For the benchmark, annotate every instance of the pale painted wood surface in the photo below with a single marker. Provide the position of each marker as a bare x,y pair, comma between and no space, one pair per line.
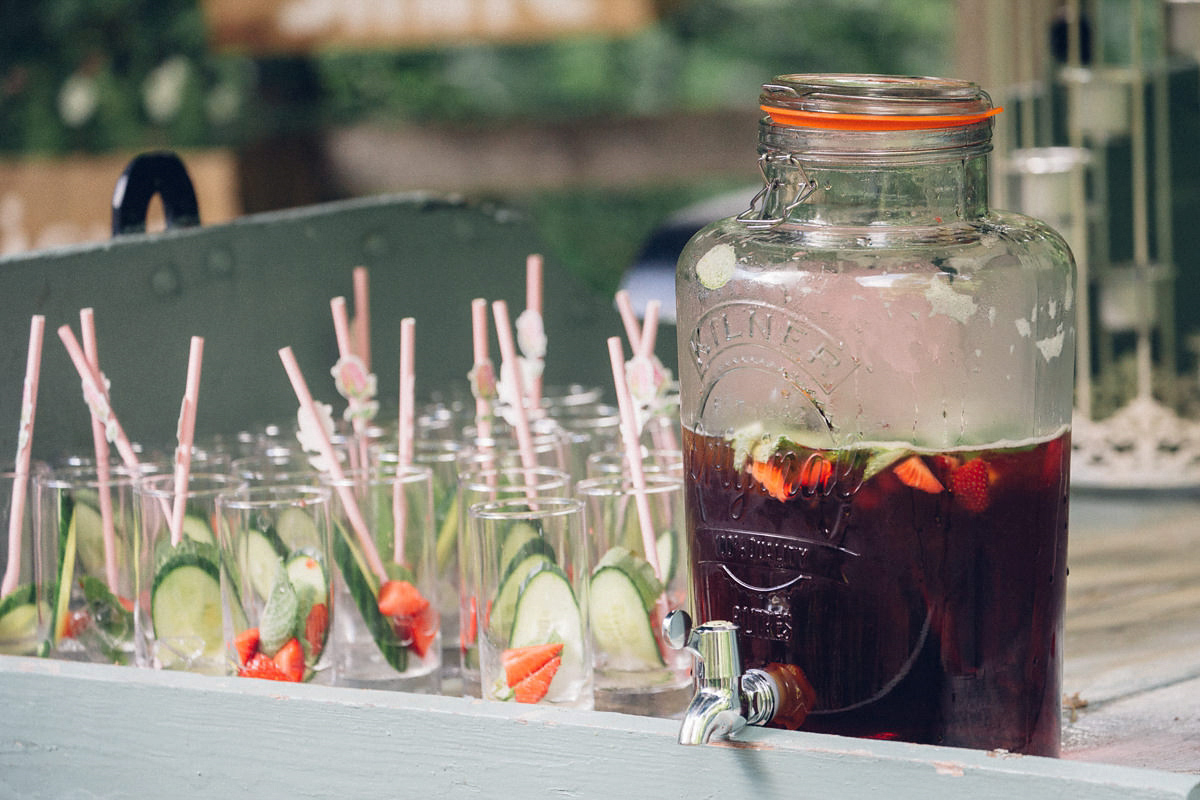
1133,653
79,730
1133,629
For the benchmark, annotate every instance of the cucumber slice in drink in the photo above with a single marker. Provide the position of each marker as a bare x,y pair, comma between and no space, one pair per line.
308,577
185,605
19,613
198,530
89,538
259,552
364,588
639,572
667,547
518,536
501,619
296,529
67,537
620,622
546,612
447,537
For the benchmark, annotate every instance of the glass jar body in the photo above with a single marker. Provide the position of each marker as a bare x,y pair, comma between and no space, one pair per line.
876,395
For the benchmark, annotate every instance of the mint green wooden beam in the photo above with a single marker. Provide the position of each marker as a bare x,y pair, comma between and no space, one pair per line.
82,730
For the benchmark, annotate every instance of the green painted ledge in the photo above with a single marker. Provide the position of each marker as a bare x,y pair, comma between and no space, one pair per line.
84,730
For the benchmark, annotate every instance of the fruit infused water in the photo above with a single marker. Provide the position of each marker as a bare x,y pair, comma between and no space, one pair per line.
920,592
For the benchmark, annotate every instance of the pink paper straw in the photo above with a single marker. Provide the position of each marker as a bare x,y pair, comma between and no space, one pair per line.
186,436
508,355
87,327
404,441
633,331
534,270
362,315
95,391
93,384
33,368
341,330
479,342
645,347
633,453
300,387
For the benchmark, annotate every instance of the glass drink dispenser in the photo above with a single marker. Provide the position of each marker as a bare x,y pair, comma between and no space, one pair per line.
876,377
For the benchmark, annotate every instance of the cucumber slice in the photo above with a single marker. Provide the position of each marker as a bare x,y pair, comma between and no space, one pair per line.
667,546
620,622
89,538
518,536
185,606
447,537
308,577
638,570
364,587
66,567
259,552
546,612
198,530
19,614
501,619
296,529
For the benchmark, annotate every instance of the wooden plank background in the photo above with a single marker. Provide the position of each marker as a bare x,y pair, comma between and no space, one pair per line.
296,26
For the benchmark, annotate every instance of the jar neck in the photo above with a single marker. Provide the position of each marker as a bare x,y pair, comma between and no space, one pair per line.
905,179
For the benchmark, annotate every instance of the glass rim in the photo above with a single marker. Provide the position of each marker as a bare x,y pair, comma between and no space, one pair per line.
295,495
473,480
410,473
162,484
617,484
88,476
520,508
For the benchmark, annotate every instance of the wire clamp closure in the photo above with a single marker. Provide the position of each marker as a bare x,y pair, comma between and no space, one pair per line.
755,217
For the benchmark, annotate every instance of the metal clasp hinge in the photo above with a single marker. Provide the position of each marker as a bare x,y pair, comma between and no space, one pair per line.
753,217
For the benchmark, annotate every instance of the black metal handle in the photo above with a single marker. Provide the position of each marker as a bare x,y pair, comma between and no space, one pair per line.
161,173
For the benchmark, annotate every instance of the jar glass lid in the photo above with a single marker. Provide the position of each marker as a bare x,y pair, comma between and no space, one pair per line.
874,102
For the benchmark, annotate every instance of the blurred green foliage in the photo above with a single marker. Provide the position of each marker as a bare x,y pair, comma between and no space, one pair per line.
95,75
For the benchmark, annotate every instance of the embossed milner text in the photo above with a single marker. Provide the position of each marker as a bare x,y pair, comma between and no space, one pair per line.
755,333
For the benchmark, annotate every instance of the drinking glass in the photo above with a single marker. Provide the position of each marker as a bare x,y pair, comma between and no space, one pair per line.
276,580
630,591
89,522
387,632
177,584
481,486
534,639
26,593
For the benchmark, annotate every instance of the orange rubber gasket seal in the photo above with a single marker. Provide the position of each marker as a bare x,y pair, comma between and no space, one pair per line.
873,122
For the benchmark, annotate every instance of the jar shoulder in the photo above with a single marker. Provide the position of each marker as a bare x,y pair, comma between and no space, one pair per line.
974,243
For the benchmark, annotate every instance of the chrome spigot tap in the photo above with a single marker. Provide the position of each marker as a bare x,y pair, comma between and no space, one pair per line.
725,699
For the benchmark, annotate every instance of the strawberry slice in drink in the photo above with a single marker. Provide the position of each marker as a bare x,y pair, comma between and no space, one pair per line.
414,619
913,472
529,670
290,660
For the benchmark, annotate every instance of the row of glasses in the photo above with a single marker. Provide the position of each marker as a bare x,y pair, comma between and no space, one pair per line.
318,588
568,594
264,576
